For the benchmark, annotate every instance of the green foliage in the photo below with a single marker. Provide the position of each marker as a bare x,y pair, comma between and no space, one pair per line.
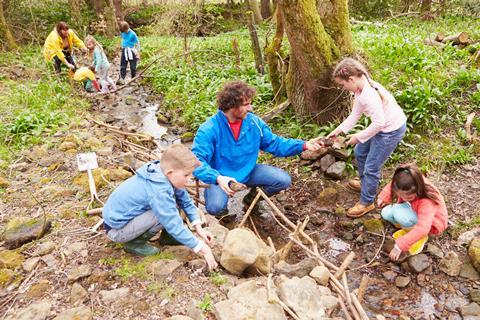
162,289
217,279
462,226
206,305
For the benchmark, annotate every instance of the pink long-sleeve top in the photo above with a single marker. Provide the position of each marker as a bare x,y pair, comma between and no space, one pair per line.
432,217
386,117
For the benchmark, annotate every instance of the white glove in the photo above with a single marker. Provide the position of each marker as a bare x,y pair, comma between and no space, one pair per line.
223,182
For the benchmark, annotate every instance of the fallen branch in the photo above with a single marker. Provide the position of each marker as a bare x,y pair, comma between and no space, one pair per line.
358,306
116,130
94,212
376,254
276,111
345,264
350,305
283,252
249,210
363,286
316,255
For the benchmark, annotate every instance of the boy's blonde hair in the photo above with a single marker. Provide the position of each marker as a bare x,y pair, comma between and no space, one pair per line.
178,157
349,67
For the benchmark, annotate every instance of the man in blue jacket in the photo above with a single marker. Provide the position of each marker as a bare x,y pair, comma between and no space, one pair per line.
228,144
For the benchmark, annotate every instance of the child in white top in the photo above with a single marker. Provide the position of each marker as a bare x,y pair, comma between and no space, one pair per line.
375,143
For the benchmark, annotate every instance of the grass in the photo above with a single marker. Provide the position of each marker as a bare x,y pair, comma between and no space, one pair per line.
206,305
34,106
462,226
217,279
436,88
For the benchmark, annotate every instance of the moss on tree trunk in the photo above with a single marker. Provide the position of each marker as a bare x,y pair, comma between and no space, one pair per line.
5,30
275,65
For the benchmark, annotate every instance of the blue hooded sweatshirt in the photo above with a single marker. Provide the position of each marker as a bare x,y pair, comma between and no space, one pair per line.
150,189
219,153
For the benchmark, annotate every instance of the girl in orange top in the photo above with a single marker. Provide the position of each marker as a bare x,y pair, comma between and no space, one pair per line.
418,205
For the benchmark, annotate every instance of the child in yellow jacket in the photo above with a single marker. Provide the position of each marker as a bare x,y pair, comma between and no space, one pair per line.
87,76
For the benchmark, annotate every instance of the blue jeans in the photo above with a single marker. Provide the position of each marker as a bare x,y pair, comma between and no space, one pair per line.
271,179
371,156
400,213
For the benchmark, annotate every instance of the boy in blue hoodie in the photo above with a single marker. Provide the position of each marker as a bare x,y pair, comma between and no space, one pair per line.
147,203
130,51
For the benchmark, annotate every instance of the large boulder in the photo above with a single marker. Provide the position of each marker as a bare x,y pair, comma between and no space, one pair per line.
248,301
474,253
16,235
451,264
36,311
242,249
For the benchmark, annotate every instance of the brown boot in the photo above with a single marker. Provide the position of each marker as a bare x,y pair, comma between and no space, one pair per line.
354,185
359,210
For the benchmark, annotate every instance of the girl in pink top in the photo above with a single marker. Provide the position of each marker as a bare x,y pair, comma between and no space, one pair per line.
419,206
375,143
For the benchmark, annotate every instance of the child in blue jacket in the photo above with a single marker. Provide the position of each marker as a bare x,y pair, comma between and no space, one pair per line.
147,203
130,51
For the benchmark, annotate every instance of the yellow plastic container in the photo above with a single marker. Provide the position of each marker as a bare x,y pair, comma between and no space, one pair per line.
417,247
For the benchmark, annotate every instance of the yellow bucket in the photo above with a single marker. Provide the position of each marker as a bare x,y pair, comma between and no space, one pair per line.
417,247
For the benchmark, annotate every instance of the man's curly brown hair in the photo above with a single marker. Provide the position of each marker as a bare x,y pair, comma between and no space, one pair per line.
234,94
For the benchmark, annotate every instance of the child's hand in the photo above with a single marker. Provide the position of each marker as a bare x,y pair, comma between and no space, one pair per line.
333,135
312,145
353,140
395,253
207,254
206,236
381,203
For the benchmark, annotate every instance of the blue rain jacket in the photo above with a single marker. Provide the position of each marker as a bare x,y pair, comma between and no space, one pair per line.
219,153
150,189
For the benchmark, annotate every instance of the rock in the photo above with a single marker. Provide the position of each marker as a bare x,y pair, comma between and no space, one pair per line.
197,264
402,281
336,170
475,295
6,277
321,275
219,233
30,264
472,309
39,289
194,312
389,275
104,152
313,155
453,302
374,225
82,179
326,162
4,183
301,269
162,119
329,302
340,211
328,197
241,250
79,313
180,253
17,235
78,273
10,259
36,311
474,253
340,153
435,251
130,100
66,145
78,293
247,301
119,174
187,137
109,296
469,272
418,262
129,159
93,143
179,318
450,264
163,268
73,139
44,248
302,296
75,248
467,237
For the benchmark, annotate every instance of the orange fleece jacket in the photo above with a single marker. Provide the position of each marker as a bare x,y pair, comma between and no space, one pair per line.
432,217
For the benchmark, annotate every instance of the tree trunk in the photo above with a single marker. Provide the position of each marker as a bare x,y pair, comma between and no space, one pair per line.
255,8
118,10
276,69
335,18
5,30
110,19
257,52
312,56
426,6
266,9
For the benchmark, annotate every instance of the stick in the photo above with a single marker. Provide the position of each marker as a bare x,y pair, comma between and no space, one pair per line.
273,299
286,249
95,211
277,110
375,256
316,255
344,309
468,126
197,191
270,242
254,228
345,264
363,286
200,185
359,307
254,202
117,130
354,311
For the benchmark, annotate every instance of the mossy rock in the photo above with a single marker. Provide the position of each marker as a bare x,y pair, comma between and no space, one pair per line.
73,139
340,211
39,290
328,197
162,119
67,145
6,277
187,137
93,143
373,225
16,234
474,253
11,259
82,179
119,174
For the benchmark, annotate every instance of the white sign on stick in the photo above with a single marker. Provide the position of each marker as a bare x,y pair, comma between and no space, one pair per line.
87,161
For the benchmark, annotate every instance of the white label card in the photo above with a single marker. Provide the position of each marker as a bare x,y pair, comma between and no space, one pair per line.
87,161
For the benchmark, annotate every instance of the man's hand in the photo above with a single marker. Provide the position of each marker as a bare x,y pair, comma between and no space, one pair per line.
207,254
381,203
223,182
353,140
395,253
69,65
312,145
204,235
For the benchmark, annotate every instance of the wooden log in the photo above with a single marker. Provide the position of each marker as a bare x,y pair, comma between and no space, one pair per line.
460,38
430,42
316,255
439,36
345,264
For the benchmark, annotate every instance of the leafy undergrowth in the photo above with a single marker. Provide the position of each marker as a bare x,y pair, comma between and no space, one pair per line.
436,88
34,103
